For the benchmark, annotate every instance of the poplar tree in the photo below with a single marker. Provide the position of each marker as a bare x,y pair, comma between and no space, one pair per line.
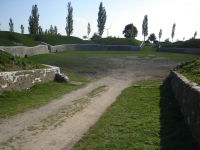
34,20
101,19
40,30
51,30
88,29
22,29
195,34
55,30
11,25
69,19
160,34
145,26
173,31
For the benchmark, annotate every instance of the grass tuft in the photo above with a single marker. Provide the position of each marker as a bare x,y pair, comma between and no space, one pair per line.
191,70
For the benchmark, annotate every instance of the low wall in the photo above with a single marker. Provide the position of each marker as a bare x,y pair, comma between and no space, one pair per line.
187,94
180,50
93,47
23,51
19,80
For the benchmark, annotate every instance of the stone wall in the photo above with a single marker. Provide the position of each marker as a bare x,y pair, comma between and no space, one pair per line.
19,80
180,50
24,51
93,47
187,94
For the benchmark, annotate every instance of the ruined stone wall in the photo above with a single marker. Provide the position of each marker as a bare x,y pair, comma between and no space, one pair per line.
23,51
93,47
180,50
187,94
19,80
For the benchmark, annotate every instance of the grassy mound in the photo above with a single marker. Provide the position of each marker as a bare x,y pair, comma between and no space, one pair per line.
15,39
191,70
193,43
56,39
8,62
118,41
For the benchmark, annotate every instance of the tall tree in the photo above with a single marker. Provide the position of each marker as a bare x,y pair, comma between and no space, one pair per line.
195,34
40,30
69,18
34,20
152,37
145,26
173,31
88,29
46,32
22,29
130,31
101,19
55,30
160,34
51,30
11,25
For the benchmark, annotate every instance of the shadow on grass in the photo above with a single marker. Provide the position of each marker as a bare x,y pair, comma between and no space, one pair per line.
174,132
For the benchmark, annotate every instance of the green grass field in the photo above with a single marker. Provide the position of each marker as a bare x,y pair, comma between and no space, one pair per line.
81,66
141,118
193,43
8,62
55,39
118,41
15,39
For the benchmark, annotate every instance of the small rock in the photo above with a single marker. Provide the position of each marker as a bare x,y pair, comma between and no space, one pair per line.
61,78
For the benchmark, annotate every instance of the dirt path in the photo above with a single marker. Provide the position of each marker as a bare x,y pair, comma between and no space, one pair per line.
61,123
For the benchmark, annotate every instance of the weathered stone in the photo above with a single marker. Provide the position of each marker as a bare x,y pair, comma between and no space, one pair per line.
61,77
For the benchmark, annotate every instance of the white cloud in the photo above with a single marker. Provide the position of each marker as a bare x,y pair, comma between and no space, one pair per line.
80,20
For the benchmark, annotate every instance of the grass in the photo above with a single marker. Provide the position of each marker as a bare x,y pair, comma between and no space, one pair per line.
141,118
192,43
81,66
56,39
118,41
191,70
15,39
8,62
13,102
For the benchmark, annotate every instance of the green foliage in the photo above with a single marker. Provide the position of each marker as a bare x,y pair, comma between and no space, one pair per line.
11,25
51,30
130,31
195,34
12,38
152,37
117,41
191,70
145,26
8,62
55,30
141,118
22,29
101,19
173,31
160,34
192,43
69,19
56,39
34,20
88,29
95,36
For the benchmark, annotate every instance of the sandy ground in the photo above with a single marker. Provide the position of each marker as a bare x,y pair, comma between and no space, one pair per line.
62,122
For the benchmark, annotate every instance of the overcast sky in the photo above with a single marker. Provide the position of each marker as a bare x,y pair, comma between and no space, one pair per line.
162,14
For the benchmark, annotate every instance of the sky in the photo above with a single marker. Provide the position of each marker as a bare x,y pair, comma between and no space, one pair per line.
162,14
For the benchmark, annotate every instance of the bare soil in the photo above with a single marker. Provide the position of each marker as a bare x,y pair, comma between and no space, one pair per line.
62,122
